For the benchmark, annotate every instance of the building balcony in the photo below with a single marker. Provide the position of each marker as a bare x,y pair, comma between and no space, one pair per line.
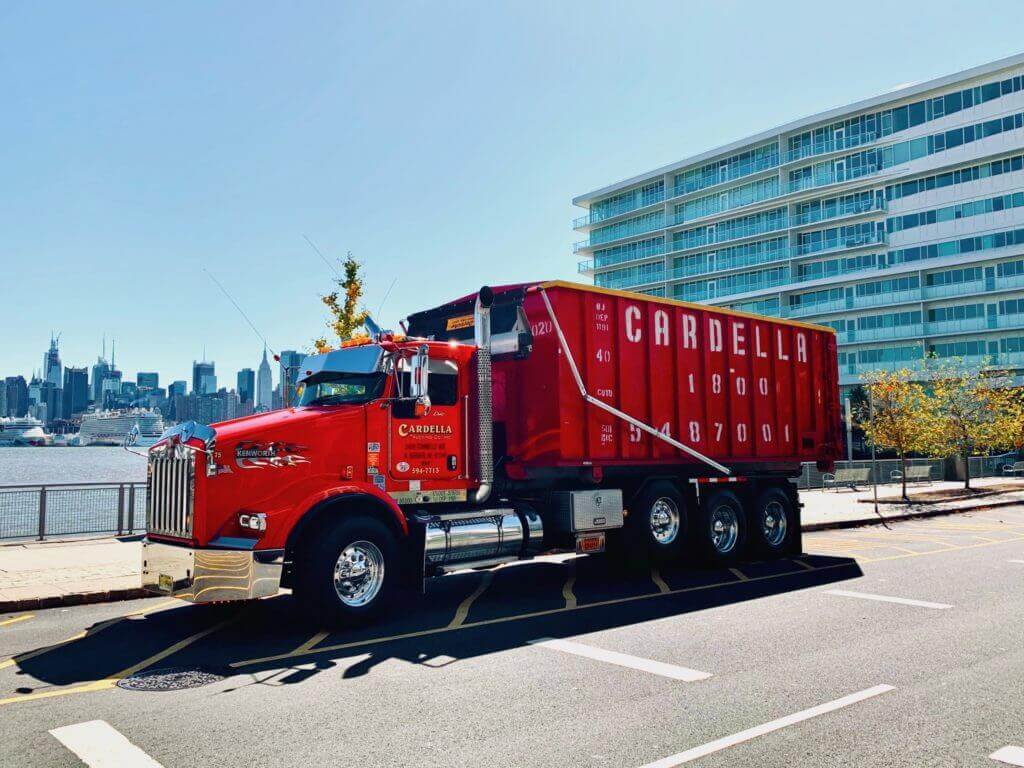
733,172
833,244
944,327
635,231
864,335
603,215
719,234
629,282
832,145
953,289
810,182
875,204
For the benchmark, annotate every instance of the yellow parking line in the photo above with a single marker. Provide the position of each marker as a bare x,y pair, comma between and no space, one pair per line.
16,619
109,682
173,648
567,593
311,642
84,633
463,610
939,551
660,582
739,574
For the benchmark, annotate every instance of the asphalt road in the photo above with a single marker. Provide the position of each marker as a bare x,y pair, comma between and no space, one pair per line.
773,664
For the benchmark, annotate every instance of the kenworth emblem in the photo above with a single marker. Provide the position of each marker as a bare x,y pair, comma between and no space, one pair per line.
253,455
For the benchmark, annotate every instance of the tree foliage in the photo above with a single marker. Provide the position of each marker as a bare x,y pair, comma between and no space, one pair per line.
898,415
343,303
977,411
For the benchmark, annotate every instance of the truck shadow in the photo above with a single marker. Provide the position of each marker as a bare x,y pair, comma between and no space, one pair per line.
461,616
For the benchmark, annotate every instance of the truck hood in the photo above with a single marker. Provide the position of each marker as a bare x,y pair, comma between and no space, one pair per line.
271,422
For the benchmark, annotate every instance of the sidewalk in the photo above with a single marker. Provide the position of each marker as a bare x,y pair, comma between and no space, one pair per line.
849,509
41,575
46,574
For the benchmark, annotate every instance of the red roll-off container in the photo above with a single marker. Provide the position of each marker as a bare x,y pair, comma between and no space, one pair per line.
752,393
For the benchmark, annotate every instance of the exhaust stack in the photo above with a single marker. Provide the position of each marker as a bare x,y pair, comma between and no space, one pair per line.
485,426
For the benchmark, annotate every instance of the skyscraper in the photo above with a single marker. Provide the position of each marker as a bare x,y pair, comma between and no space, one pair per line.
204,378
100,372
265,385
76,391
51,364
291,361
148,380
17,395
246,385
177,388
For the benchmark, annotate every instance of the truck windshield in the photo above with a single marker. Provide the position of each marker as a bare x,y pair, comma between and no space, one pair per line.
333,388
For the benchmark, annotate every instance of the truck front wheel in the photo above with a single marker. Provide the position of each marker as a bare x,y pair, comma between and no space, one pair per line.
350,573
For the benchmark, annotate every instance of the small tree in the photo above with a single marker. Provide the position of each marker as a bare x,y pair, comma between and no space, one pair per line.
346,317
898,415
977,412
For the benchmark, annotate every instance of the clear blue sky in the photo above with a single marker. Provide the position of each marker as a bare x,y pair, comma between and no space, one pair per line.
440,142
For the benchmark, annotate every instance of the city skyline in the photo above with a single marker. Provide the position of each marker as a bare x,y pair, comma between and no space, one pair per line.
62,364
242,150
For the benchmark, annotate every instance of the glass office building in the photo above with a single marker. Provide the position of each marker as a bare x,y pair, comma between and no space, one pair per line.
898,221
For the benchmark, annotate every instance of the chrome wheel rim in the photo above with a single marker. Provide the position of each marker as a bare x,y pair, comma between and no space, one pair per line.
664,520
359,573
725,529
773,524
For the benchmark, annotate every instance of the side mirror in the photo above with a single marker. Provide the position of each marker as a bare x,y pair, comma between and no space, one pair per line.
419,373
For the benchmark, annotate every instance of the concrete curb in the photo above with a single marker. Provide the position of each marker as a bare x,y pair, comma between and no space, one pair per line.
78,598
876,520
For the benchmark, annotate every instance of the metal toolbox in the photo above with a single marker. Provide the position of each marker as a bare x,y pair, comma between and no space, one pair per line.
596,510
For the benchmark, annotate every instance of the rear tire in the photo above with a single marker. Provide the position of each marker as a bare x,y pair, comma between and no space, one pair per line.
350,573
773,523
655,529
723,528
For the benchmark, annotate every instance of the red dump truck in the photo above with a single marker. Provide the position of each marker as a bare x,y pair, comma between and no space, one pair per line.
516,421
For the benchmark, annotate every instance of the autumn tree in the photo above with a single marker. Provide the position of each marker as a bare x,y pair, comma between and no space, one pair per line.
976,411
343,303
898,415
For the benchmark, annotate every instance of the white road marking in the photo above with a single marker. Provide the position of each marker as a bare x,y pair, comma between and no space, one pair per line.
99,745
760,730
1021,562
624,660
1009,755
887,599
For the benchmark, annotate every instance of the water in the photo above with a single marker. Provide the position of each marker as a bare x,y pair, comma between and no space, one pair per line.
89,464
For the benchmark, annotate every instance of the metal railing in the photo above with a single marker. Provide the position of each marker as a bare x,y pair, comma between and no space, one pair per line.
70,509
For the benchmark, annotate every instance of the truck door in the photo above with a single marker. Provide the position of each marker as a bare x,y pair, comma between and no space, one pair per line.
432,446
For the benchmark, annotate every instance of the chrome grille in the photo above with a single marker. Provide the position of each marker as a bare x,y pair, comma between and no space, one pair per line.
170,487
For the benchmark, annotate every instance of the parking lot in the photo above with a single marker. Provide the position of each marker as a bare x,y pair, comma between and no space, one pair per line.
879,646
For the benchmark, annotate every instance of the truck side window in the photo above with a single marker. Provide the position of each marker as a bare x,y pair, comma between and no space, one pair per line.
443,388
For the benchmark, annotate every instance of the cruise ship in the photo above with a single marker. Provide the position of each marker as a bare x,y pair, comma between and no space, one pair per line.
111,427
22,430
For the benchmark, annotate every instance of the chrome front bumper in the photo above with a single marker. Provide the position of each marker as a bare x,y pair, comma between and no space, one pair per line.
210,575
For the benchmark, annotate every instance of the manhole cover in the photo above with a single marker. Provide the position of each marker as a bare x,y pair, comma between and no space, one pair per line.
169,679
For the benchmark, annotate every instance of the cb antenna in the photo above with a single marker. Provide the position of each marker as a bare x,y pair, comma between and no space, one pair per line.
240,311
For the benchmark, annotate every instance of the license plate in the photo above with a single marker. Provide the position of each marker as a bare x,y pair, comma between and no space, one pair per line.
590,543
166,582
